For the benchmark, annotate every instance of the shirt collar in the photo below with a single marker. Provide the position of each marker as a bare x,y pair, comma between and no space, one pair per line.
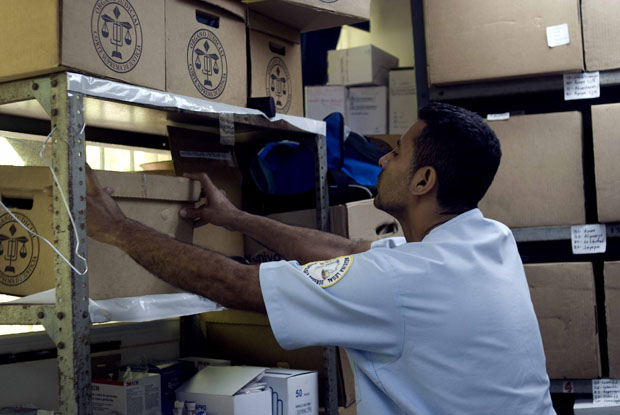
470,214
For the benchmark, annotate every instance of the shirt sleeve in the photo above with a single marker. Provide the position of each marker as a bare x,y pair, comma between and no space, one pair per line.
362,310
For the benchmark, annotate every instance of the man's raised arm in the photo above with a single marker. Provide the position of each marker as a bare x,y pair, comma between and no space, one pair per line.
292,242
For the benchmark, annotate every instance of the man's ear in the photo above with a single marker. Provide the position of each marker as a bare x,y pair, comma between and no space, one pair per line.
423,181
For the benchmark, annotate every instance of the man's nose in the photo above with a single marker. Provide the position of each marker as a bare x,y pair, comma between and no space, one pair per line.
383,161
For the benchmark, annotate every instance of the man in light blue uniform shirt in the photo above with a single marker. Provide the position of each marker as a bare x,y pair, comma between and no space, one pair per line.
438,322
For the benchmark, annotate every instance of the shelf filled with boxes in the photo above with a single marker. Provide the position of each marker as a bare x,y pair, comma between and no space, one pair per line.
508,63
72,106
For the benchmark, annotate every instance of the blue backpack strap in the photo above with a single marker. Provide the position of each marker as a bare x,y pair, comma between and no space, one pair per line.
335,140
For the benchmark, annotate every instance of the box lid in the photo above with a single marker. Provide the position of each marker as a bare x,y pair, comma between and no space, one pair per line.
282,373
150,186
221,380
235,7
260,23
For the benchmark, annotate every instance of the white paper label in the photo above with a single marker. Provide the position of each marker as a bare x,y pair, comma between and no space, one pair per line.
582,85
589,239
498,117
606,391
558,35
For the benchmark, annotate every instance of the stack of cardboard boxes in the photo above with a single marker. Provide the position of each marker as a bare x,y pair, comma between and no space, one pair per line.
541,179
367,88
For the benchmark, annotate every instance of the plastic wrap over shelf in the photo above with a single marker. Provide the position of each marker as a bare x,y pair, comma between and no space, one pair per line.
117,91
135,309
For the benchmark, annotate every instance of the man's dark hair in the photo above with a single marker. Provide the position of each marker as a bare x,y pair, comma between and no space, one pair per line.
464,151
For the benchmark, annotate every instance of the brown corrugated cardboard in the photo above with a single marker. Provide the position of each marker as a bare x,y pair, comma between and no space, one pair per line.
363,65
307,15
605,127
491,39
564,300
151,199
540,177
275,64
403,101
120,40
601,34
206,50
196,152
355,220
246,338
612,311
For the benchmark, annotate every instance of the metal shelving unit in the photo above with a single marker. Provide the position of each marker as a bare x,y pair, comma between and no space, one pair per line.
74,107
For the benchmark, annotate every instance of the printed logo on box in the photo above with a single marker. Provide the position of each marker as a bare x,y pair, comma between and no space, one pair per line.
278,83
117,34
207,65
19,250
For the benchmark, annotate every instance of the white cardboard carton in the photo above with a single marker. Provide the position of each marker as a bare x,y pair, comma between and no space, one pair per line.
214,388
403,100
321,101
367,109
293,391
363,65
138,397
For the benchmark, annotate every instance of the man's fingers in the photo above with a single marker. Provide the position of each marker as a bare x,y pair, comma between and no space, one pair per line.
109,190
204,179
190,213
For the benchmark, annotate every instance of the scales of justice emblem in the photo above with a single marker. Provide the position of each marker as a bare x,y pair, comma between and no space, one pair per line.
207,64
278,84
117,34
19,251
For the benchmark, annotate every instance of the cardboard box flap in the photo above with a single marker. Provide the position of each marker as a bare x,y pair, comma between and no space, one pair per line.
237,8
150,186
286,373
221,380
14,181
268,26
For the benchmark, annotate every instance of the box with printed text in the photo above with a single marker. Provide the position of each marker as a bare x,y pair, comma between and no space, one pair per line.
293,392
140,396
114,39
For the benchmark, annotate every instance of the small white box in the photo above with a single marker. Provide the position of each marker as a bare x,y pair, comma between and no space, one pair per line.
293,392
367,108
214,388
324,100
403,100
363,65
141,396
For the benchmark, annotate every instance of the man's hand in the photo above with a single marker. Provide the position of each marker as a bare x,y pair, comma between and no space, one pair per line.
104,219
217,209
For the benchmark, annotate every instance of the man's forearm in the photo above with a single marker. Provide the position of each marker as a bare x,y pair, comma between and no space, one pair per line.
194,269
295,243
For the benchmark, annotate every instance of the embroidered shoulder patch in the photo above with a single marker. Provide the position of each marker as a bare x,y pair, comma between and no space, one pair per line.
327,273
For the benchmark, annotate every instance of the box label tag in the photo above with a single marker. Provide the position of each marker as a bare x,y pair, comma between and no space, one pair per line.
558,35
498,117
582,85
589,239
227,129
606,391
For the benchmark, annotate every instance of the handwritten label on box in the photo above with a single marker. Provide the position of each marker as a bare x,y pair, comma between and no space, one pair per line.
582,86
589,239
606,391
558,35
498,117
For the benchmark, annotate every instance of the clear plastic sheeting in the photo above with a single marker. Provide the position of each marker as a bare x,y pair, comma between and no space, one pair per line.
135,309
117,91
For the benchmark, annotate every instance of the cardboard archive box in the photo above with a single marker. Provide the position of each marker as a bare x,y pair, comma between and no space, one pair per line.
120,40
612,311
605,127
601,34
206,50
540,177
363,65
275,63
367,110
246,338
403,101
140,396
493,39
293,391
27,263
355,220
320,101
563,295
307,15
